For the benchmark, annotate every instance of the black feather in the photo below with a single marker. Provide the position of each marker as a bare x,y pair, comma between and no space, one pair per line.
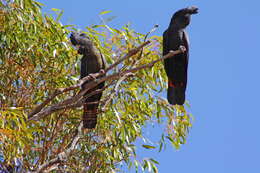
176,67
91,62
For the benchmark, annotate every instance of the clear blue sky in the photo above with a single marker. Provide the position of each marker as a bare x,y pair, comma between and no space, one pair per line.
223,76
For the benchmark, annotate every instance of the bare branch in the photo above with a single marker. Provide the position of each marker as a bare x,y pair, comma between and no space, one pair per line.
60,91
74,101
151,64
84,80
63,156
115,90
39,108
128,55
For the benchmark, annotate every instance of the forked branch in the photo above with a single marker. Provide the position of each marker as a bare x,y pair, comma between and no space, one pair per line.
75,101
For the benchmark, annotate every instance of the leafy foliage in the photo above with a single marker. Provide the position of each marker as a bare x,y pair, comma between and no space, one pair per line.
36,58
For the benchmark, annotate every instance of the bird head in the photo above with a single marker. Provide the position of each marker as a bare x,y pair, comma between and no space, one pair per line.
82,42
181,18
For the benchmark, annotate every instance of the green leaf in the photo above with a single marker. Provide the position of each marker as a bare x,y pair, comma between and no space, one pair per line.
55,10
148,146
98,26
39,59
59,15
104,12
154,161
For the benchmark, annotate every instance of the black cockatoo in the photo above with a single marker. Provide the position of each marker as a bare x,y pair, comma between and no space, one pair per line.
91,62
176,66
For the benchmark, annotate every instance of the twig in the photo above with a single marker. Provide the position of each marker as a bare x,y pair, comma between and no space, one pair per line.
62,157
128,55
151,64
115,90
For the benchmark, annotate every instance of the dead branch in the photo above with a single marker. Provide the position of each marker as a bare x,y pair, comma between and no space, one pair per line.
128,55
74,101
84,80
115,90
151,64
63,156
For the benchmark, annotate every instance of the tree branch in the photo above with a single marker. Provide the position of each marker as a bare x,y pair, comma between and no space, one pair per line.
85,79
128,55
115,90
63,156
74,101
